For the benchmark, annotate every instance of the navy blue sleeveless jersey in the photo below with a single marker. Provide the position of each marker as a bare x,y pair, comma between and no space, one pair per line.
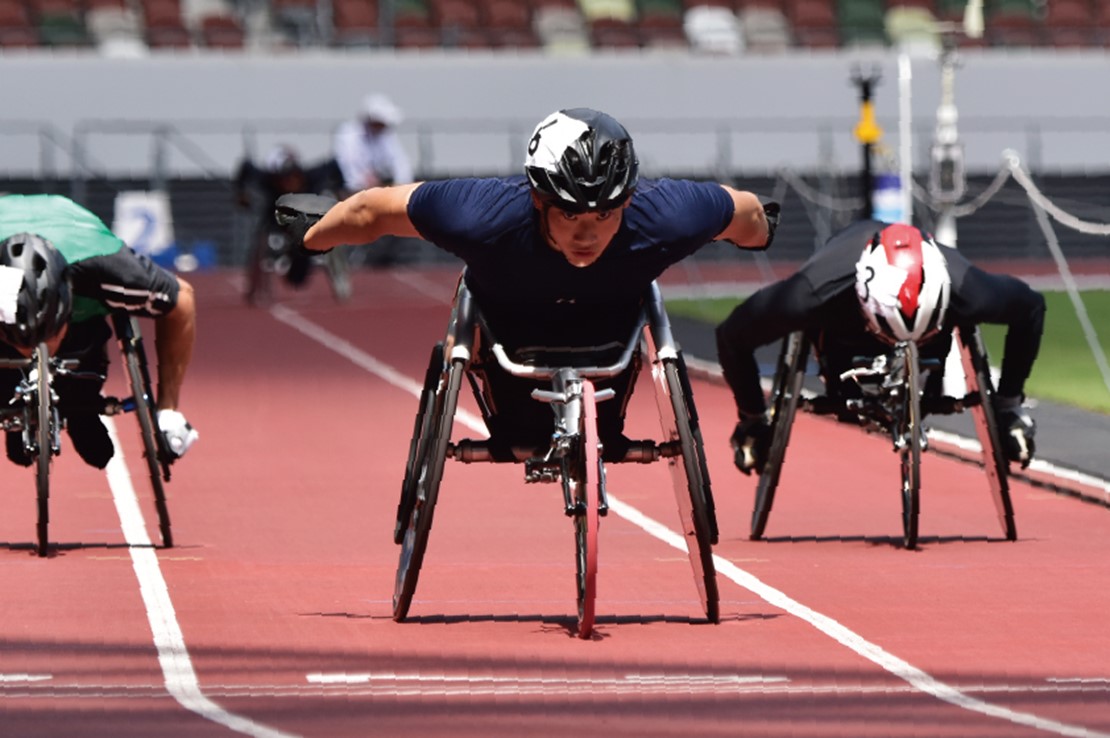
528,292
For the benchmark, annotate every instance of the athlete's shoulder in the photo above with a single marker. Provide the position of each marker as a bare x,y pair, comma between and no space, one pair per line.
670,190
679,209
475,208
493,197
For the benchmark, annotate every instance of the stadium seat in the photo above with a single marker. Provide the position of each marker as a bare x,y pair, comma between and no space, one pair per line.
1070,23
63,30
60,22
622,10
222,31
16,30
355,22
108,24
861,22
1013,26
560,28
731,5
660,24
814,23
1102,22
912,29
460,24
613,33
713,29
765,29
509,23
165,28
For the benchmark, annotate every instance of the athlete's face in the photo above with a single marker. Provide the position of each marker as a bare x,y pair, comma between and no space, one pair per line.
581,237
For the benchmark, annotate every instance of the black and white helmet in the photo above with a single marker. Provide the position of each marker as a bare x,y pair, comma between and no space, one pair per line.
581,160
35,294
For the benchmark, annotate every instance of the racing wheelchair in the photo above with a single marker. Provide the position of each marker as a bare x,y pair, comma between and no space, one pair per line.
33,412
892,400
573,456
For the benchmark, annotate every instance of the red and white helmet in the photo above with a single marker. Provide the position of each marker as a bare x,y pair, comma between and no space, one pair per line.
903,284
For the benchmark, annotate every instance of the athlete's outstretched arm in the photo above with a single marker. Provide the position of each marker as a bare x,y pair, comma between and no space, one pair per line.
748,228
364,217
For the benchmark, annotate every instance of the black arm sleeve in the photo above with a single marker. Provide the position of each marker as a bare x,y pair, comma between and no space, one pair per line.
772,312
1004,300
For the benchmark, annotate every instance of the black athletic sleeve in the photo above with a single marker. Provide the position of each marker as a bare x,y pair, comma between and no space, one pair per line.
771,313
982,297
127,281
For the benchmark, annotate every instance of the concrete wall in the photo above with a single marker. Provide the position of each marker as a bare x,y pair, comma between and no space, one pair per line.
471,112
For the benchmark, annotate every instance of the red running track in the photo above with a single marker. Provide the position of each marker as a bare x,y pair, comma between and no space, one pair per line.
271,616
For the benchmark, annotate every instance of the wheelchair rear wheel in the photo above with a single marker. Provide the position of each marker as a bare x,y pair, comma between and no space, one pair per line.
691,486
977,371
429,457
45,433
908,444
786,391
142,395
585,475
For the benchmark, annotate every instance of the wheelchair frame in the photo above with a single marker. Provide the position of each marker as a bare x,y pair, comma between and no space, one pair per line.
573,456
34,412
890,409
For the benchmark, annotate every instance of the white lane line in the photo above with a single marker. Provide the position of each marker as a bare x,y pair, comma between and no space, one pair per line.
1036,465
177,668
524,688
12,678
636,680
870,651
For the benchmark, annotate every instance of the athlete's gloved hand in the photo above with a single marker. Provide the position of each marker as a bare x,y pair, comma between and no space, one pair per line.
751,442
176,432
772,210
1017,428
298,212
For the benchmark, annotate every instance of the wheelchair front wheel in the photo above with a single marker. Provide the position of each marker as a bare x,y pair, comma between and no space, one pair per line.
908,444
45,433
431,456
585,478
786,390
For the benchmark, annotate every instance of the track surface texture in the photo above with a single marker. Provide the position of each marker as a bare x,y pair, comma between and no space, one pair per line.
272,614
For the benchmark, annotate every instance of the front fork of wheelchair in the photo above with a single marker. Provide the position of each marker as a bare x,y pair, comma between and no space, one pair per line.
565,398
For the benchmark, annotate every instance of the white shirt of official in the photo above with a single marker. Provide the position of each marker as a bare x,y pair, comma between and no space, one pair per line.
364,157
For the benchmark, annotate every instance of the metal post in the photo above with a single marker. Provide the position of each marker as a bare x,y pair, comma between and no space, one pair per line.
867,133
947,181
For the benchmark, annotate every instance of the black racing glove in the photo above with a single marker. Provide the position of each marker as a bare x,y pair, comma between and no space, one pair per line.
1017,428
751,443
299,212
771,209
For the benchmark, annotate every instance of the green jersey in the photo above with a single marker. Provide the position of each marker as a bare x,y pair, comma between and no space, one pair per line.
73,230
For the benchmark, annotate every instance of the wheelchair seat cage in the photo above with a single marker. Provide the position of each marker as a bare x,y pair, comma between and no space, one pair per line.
892,402
573,454
33,412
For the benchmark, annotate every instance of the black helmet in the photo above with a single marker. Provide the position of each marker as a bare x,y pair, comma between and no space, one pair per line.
581,160
44,302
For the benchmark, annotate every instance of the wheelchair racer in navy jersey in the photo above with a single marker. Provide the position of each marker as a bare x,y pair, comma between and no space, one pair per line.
871,285
558,259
